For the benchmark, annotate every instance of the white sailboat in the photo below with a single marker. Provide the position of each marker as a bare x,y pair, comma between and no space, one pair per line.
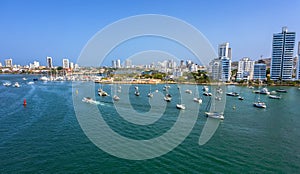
188,91
197,99
258,103
150,94
136,92
218,99
101,92
167,97
116,97
17,85
215,112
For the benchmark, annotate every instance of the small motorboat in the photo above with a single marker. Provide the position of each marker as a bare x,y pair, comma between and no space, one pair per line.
260,105
116,98
44,78
274,97
264,91
6,84
30,83
24,78
168,98
137,93
234,94
218,98
188,91
205,89
215,115
150,95
197,100
90,100
241,98
207,94
281,90
102,93
17,85
180,106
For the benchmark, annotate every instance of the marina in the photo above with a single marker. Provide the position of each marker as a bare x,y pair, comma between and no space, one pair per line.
47,126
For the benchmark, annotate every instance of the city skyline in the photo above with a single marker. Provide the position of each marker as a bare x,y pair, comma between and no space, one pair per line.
31,33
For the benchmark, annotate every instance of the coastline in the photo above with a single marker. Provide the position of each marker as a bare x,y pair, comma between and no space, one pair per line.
159,81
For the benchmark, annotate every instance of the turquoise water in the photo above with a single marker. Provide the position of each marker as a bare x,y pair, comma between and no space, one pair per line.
45,136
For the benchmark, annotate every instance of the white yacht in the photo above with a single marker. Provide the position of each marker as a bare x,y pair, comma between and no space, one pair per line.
168,98
274,97
116,98
180,106
234,94
17,85
207,93
102,93
188,91
259,104
7,84
215,115
90,100
197,100
264,91
44,78
150,95
205,88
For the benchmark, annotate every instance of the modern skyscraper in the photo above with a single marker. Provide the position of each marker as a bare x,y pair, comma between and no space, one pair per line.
226,68
128,63
49,62
260,71
113,64
298,66
65,63
8,63
224,50
118,63
221,66
71,65
245,69
282,55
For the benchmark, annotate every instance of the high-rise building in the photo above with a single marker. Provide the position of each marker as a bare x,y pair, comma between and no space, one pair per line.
220,68
71,65
118,63
215,69
226,68
49,62
224,50
298,66
8,63
282,55
0,64
113,64
128,63
245,69
65,63
260,71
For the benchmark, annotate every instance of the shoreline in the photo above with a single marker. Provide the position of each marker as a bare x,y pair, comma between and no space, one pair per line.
159,81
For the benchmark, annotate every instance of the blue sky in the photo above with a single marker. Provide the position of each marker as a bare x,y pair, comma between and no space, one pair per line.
31,30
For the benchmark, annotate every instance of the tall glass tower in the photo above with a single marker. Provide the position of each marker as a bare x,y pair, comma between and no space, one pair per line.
282,55
298,65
